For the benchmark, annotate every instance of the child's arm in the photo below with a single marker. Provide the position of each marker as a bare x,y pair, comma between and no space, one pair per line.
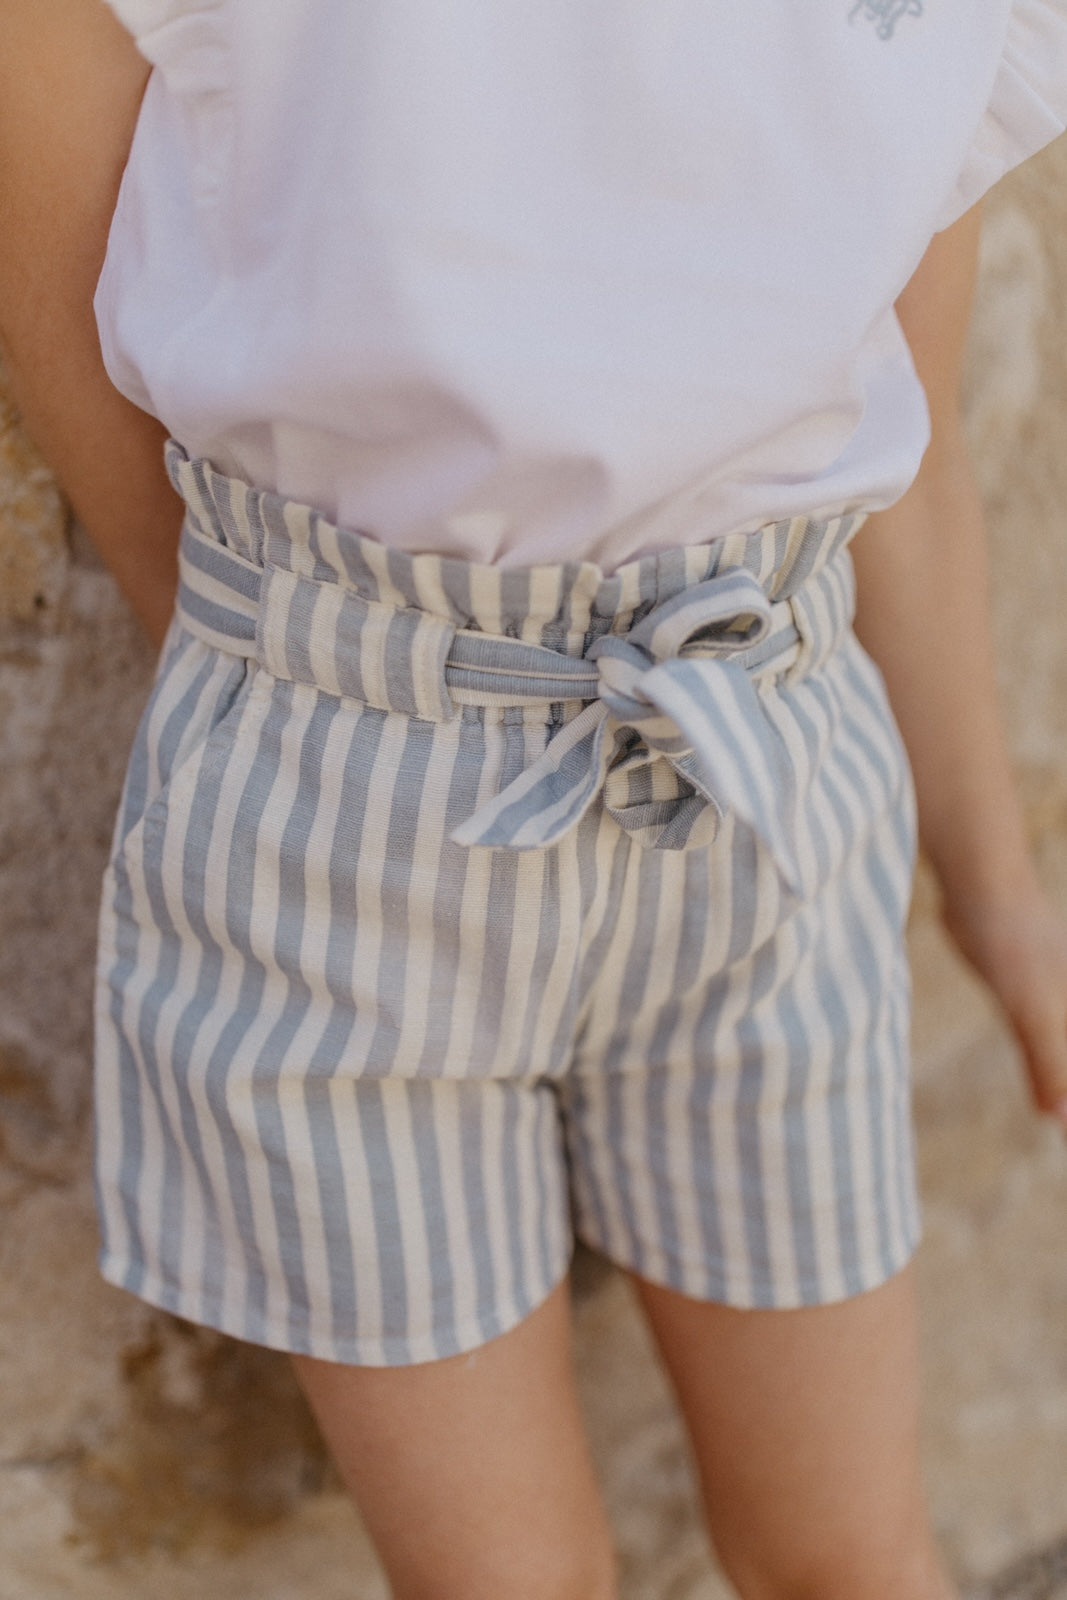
924,616
71,82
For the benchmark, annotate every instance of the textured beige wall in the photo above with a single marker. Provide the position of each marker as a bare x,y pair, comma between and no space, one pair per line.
140,1456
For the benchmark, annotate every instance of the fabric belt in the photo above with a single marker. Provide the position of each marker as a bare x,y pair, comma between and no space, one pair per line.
672,732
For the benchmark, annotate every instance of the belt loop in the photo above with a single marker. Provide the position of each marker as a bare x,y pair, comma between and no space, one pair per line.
218,592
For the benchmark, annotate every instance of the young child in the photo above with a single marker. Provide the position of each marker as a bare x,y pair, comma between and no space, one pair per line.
517,841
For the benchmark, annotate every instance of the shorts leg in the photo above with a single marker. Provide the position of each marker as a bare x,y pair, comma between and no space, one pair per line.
739,1117
298,1140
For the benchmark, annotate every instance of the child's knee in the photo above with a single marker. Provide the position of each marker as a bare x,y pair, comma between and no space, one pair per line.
575,1574
866,1566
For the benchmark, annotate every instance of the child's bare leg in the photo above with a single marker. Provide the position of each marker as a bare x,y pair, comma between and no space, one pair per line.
473,1473
804,1426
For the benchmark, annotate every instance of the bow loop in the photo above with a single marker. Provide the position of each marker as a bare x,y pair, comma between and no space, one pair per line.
621,666
723,615
676,738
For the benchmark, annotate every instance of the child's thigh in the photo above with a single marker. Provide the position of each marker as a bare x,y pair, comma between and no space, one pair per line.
804,1424
473,1473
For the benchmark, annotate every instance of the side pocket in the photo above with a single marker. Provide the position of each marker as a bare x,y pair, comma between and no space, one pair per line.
880,750
195,706
852,800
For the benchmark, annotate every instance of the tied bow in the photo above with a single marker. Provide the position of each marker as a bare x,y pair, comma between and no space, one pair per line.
676,738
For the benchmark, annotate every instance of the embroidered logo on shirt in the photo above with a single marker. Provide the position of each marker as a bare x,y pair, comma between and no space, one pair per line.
886,13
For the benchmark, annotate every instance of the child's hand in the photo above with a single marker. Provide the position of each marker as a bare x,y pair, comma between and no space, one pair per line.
1020,949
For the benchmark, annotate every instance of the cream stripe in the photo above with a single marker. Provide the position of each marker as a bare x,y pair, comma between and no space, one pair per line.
511,1043
486,602
111,1130
191,1243
579,605
430,588
425,855
867,1074
860,806
685,1068
597,1173
798,529
359,1199
429,649
376,557
604,1014
556,992
893,1084
765,565
772,1111
726,1171
461,1047
732,551
414,1245
634,1084
493,1156
809,750
546,597
176,683
818,1133
367,944
634,932
529,1221
239,511
374,655
235,1285
295,517
593,1175
303,1047
327,552
322,646
151,1194
450,1101
243,1084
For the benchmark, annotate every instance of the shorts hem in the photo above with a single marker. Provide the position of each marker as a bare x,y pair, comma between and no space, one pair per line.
696,1282
392,1351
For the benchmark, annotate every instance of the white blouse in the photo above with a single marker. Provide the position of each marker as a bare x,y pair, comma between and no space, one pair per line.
581,279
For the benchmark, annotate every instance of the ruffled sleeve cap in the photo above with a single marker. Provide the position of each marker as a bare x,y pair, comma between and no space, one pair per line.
187,42
1028,105
183,38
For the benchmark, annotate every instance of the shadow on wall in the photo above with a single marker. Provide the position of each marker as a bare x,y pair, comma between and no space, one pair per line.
216,1444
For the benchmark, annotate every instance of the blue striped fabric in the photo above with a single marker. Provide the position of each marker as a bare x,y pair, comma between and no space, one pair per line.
451,905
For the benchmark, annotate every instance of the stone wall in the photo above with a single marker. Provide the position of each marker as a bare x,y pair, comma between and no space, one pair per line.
139,1456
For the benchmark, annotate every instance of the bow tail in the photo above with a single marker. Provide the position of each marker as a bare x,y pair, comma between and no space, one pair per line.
649,793
734,758
551,795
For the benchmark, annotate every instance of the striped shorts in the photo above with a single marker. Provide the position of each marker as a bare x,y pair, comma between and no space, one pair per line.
454,911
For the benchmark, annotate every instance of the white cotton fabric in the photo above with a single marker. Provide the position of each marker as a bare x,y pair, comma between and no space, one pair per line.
586,279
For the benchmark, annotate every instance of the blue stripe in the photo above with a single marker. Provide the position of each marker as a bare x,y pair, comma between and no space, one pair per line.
239,902
330,1056
663,1063
423,1098
269,1066
221,564
221,620
385,1211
